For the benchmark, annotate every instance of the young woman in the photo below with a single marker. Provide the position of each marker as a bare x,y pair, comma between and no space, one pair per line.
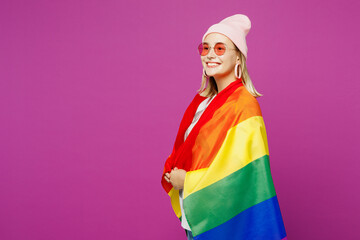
218,174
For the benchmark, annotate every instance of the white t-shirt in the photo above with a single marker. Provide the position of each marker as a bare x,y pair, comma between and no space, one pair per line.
201,108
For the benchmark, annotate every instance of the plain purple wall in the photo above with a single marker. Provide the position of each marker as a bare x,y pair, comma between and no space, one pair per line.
92,94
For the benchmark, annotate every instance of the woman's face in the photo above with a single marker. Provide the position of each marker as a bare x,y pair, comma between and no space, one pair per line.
224,64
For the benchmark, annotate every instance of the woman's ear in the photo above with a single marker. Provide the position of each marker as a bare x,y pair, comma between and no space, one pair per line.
238,57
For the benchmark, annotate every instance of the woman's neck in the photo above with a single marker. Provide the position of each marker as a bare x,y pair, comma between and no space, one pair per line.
223,82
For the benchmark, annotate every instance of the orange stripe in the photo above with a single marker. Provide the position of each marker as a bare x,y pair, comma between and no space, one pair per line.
240,106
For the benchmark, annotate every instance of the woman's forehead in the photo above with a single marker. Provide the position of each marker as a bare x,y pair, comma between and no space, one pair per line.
217,37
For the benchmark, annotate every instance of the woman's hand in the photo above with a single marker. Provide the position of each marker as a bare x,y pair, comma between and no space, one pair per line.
176,177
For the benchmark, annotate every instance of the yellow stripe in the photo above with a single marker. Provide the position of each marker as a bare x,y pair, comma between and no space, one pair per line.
245,142
193,177
175,201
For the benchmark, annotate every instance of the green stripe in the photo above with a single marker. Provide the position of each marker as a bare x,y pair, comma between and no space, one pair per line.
224,199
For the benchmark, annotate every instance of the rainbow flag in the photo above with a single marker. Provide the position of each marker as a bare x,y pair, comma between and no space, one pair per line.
228,191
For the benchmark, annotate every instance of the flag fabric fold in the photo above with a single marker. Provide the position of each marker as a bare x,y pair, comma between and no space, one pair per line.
228,190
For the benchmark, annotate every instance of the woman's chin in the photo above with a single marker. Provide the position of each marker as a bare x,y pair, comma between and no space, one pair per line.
211,72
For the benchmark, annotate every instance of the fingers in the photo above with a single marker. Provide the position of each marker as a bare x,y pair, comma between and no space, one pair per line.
167,177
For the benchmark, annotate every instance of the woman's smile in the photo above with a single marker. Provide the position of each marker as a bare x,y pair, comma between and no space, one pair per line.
212,64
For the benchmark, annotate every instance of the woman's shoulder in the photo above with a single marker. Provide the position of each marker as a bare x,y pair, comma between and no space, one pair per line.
244,101
202,94
243,95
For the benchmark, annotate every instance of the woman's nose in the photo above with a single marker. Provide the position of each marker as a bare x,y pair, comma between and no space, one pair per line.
211,53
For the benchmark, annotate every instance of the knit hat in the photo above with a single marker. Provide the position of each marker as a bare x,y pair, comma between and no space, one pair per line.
236,28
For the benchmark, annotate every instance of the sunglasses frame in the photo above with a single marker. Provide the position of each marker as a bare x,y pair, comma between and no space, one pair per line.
212,47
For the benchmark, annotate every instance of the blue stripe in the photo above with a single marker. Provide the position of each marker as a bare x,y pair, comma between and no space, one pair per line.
261,221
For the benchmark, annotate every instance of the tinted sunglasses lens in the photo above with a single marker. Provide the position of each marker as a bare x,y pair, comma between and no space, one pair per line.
203,49
220,49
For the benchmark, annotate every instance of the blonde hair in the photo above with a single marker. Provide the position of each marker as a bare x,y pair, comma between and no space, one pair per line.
211,89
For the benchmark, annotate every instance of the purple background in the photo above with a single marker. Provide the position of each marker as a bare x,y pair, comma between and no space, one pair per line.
92,94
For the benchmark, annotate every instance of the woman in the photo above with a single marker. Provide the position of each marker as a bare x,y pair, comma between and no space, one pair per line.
218,174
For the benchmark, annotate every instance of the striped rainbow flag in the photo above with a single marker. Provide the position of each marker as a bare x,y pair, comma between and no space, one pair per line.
228,191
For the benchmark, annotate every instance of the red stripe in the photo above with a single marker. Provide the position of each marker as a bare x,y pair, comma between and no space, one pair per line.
181,156
184,124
